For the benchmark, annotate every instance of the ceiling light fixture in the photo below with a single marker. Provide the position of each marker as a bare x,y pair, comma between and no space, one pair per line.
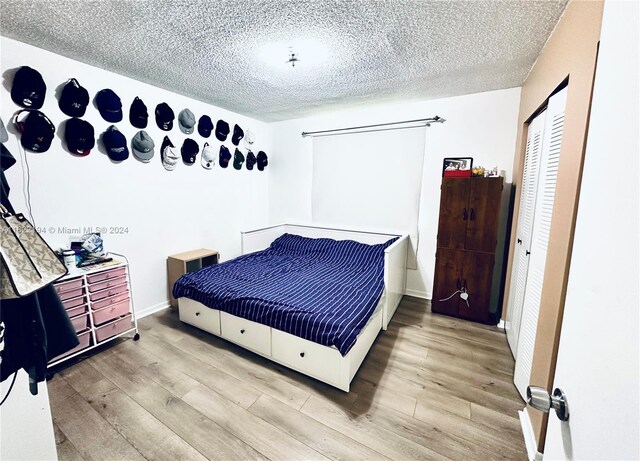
293,58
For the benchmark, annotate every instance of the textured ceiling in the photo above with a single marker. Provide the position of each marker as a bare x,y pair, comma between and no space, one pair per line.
232,53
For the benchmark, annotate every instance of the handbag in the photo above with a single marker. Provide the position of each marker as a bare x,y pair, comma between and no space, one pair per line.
27,262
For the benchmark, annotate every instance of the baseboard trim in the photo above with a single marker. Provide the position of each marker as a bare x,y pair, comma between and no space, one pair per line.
152,309
529,436
417,293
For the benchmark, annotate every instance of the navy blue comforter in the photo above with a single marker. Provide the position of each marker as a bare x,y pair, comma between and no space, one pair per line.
322,290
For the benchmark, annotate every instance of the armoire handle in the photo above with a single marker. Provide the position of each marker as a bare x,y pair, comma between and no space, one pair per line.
472,215
464,214
527,253
519,241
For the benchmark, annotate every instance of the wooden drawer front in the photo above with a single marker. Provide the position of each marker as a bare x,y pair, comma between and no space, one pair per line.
74,302
106,275
80,322
114,328
74,293
200,316
81,309
251,335
107,284
108,292
68,285
108,301
111,312
85,340
314,359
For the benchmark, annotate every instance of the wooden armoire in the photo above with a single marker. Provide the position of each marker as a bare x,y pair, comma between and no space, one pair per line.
467,239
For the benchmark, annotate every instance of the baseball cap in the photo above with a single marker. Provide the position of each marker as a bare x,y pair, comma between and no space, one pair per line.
224,157
73,99
251,160
186,121
28,88
109,105
238,134
238,159
208,156
116,144
138,115
189,151
36,130
164,116
249,139
142,146
205,125
222,130
262,161
79,136
4,136
169,154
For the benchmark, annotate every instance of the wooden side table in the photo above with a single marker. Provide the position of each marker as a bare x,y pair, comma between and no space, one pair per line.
189,261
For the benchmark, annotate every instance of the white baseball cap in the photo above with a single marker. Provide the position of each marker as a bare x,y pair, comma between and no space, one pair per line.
208,156
169,155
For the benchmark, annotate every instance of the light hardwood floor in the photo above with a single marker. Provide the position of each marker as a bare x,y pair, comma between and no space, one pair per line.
432,387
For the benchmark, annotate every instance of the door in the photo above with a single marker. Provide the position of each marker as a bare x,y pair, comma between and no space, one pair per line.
448,280
484,214
454,212
528,191
545,197
598,354
477,272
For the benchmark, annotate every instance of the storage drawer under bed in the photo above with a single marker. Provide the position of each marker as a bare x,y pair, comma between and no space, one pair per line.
199,315
254,336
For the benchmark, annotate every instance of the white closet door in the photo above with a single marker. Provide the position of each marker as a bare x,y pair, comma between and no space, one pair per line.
528,190
554,126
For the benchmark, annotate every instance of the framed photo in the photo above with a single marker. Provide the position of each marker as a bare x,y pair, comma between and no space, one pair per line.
457,164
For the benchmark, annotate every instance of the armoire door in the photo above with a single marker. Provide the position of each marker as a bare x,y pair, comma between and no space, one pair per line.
522,249
550,160
454,212
484,214
477,273
447,281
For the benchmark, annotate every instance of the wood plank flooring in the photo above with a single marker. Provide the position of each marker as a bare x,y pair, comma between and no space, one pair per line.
432,387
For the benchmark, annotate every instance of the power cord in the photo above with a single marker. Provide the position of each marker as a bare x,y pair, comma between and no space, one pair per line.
13,381
464,295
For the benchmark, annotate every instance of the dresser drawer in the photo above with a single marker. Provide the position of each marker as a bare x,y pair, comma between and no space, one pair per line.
85,341
114,328
108,292
251,335
73,293
80,322
106,275
111,312
107,284
199,315
109,300
81,309
314,359
74,302
68,285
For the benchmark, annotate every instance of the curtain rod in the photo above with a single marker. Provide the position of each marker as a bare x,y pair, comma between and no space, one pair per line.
426,121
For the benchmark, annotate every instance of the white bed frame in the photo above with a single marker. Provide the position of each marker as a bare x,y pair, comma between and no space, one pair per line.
321,362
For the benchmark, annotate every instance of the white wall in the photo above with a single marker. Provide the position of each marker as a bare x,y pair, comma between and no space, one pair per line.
165,211
482,126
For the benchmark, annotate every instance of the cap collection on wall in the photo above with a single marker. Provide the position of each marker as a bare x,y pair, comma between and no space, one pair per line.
28,91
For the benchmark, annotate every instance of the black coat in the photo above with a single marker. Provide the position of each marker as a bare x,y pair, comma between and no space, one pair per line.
36,327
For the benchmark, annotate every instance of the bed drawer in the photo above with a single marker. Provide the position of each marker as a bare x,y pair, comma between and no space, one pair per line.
199,315
106,275
313,359
251,335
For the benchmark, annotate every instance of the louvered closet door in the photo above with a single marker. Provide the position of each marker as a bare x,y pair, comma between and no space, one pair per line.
528,190
554,126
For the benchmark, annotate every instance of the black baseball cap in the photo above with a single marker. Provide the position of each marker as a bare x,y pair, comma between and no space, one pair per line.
224,157
222,130
109,105
36,130
189,151
205,126
138,114
79,136
238,134
116,144
74,99
251,160
262,160
28,89
164,116
238,159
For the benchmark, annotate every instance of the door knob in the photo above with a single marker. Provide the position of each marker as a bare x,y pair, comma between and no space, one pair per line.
539,398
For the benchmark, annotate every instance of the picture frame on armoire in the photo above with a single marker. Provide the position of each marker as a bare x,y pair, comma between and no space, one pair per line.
457,166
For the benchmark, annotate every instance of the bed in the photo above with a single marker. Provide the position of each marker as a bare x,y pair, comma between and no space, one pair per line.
310,298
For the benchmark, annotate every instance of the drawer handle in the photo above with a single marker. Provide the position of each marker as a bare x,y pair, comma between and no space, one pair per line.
302,354
241,332
197,314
